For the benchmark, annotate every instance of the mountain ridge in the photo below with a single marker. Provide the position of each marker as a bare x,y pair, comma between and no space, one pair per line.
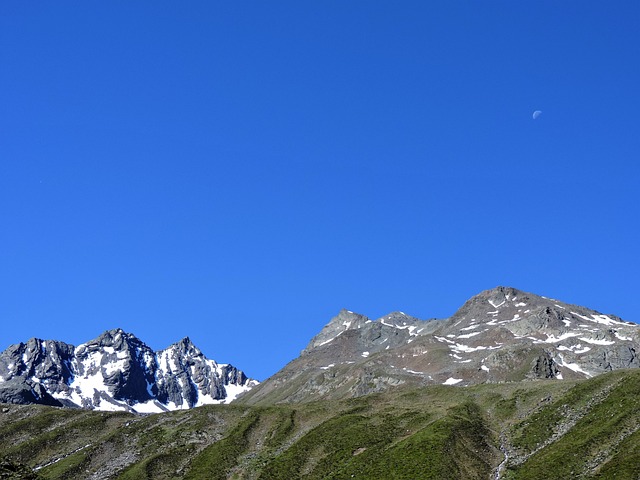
501,334
116,371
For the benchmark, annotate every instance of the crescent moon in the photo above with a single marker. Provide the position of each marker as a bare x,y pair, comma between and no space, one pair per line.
536,114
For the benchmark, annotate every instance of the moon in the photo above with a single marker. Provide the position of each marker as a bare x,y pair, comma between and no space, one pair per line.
536,114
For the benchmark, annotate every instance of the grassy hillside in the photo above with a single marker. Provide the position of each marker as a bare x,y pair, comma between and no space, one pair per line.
547,429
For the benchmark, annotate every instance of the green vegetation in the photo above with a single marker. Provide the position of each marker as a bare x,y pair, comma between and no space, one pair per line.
217,460
601,418
550,429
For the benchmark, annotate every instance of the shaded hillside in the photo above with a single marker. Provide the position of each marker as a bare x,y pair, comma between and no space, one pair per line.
548,429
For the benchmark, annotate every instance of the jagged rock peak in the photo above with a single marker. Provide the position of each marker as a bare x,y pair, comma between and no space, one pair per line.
115,337
345,315
185,342
116,371
185,346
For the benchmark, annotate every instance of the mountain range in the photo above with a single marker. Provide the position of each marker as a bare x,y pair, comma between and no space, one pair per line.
116,371
552,391
499,335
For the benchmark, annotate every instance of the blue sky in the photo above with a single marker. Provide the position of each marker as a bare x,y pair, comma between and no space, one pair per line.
238,172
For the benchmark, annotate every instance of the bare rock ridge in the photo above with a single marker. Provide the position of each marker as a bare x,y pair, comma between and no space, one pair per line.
499,335
116,371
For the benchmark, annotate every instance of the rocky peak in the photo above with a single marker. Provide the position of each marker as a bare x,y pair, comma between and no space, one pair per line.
186,347
501,294
348,319
398,319
37,357
115,338
116,371
345,320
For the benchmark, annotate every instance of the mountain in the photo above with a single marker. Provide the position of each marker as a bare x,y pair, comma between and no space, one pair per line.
388,402
499,335
116,371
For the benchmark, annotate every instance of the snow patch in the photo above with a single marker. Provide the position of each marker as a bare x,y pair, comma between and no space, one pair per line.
150,406
601,319
469,328
594,341
573,366
452,381
574,348
621,337
113,367
442,339
233,391
469,335
461,348
553,339
330,340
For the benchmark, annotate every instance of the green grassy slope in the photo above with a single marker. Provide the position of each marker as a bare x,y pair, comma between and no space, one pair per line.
548,429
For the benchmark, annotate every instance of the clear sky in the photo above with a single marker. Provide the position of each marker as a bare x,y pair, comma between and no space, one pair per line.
238,172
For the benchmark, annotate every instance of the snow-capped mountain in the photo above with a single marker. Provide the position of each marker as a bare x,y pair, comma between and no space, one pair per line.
116,371
499,335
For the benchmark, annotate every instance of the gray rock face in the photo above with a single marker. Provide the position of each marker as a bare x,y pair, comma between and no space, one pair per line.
19,392
355,334
134,377
116,371
499,335
186,374
34,371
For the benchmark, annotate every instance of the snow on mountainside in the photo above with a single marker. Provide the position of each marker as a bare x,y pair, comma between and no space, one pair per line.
116,371
499,335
